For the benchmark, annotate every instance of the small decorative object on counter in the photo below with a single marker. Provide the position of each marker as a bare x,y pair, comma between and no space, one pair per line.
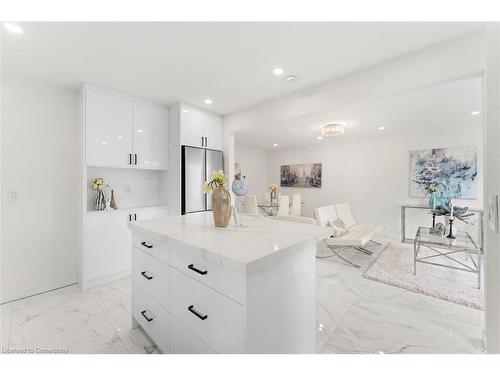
240,189
99,184
274,191
221,199
112,202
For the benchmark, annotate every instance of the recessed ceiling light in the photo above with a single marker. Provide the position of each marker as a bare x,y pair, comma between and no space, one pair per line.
208,101
140,131
381,127
275,145
104,143
185,111
291,78
320,137
120,137
475,113
278,71
13,28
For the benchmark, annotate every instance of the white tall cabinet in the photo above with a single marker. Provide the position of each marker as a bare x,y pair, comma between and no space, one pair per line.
189,126
200,128
125,140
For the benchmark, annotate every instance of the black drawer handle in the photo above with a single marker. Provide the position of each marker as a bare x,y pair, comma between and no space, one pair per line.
143,313
202,317
143,243
193,268
143,273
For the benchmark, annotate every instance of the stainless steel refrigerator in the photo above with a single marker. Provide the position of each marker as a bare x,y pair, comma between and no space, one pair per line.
197,166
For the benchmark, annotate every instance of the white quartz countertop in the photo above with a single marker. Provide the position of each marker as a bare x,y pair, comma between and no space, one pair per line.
261,239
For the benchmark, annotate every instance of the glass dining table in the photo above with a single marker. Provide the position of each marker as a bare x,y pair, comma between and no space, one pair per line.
270,208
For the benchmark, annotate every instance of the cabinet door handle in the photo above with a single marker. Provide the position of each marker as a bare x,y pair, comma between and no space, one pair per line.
192,310
143,313
206,142
135,159
129,159
143,273
129,217
193,268
145,244
202,142
135,217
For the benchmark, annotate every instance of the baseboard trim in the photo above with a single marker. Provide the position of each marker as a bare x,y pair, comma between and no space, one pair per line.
86,284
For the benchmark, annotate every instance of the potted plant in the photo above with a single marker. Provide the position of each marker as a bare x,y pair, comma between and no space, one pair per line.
221,199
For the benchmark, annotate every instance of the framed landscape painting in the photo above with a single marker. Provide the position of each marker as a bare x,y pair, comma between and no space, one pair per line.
452,170
301,175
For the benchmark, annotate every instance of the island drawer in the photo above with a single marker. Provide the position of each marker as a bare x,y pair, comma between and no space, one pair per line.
222,279
153,318
152,275
184,341
152,246
213,317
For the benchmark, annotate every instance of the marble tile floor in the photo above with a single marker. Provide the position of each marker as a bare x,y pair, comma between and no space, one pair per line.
354,315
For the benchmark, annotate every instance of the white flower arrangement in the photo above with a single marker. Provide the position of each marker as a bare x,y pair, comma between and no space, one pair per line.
98,183
218,179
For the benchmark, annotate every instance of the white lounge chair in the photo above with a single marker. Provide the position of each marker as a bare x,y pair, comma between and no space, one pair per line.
356,237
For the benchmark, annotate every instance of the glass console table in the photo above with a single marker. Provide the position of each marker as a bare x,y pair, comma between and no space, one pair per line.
476,230
441,246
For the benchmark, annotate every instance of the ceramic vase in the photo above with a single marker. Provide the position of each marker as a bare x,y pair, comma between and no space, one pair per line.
100,200
221,206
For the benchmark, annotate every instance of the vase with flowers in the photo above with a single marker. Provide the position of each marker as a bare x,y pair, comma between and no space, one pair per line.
98,185
221,199
432,190
273,188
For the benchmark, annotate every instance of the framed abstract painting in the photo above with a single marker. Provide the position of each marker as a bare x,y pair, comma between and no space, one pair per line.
301,175
452,170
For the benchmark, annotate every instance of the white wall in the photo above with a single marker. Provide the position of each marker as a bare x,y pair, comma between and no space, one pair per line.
371,173
39,162
492,186
253,165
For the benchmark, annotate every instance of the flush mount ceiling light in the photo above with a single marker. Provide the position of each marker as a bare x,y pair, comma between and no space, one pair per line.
381,127
291,78
475,113
13,28
320,137
332,130
275,145
208,101
278,71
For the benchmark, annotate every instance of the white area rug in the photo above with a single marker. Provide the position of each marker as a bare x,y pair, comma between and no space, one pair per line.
394,266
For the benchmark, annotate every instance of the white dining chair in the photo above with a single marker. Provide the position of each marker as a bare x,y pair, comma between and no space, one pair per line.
295,208
266,197
284,208
250,206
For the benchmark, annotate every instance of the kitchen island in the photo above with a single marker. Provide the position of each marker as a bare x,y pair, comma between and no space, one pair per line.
202,289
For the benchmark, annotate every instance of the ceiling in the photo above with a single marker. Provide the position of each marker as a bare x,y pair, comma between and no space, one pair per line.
445,106
231,63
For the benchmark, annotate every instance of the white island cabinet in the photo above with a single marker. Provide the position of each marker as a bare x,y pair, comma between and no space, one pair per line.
201,289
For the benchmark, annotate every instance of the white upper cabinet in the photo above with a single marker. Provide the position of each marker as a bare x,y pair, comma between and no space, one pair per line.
150,140
108,120
191,126
124,133
200,128
213,132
